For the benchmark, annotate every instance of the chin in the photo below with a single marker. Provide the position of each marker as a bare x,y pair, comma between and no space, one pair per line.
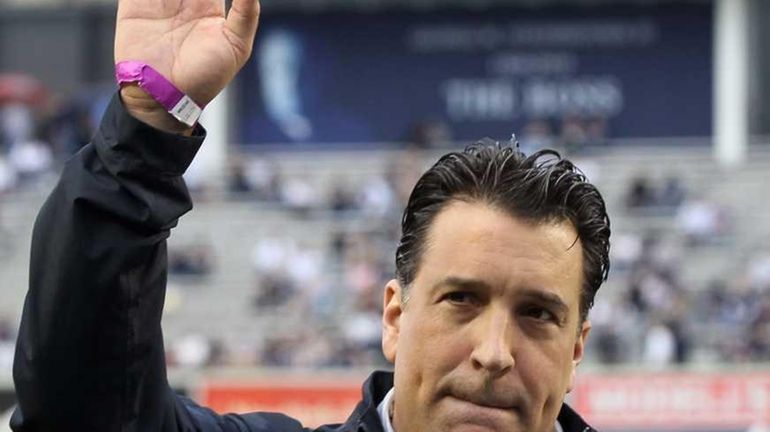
463,416
473,428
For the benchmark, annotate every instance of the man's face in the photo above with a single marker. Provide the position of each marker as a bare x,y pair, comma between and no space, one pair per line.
491,335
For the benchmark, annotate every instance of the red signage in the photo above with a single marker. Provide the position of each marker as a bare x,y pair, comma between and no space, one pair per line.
649,400
311,400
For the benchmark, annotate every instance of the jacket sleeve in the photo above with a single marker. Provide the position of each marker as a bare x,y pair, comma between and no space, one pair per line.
89,355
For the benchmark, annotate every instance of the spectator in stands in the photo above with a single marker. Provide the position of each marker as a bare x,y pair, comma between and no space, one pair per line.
269,259
17,124
758,271
265,178
702,221
626,251
596,133
316,348
574,137
272,290
537,135
659,345
191,351
25,153
363,329
429,134
342,198
70,127
7,342
640,193
377,198
609,319
8,176
300,195
673,193
285,271
362,265
759,332
254,177
238,184
194,260
644,195
32,157
278,352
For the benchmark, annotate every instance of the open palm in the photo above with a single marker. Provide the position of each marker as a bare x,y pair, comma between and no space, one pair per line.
190,42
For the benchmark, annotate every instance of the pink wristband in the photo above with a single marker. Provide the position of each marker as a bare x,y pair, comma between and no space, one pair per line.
178,104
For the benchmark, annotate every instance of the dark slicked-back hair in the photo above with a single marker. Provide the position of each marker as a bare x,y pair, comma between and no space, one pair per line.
541,188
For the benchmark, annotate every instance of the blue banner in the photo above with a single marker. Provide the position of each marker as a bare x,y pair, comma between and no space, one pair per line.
639,70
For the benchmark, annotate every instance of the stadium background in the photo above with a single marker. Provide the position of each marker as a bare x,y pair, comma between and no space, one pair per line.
275,277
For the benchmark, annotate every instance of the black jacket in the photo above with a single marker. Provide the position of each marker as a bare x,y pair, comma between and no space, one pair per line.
89,355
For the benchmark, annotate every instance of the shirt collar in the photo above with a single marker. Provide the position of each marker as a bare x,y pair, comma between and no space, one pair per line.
383,409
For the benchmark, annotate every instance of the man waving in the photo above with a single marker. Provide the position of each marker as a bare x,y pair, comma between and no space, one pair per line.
485,320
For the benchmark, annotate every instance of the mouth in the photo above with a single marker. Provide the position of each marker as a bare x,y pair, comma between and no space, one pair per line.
494,415
502,400
487,404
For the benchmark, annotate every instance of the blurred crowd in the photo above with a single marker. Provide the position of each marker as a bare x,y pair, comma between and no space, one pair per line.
25,149
7,344
34,139
333,290
653,314
571,134
657,318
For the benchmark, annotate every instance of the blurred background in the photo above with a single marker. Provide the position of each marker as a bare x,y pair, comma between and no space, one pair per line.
275,281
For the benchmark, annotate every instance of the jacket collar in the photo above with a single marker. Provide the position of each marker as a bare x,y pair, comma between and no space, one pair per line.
365,418
570,421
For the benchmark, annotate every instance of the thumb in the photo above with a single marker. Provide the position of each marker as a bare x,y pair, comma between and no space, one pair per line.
241,22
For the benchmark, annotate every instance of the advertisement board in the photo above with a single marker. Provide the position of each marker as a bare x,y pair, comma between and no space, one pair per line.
642,70
675,401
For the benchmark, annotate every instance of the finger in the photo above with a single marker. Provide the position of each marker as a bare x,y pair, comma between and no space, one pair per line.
242,20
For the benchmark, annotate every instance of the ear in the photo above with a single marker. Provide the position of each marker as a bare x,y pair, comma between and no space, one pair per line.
577,352
392,308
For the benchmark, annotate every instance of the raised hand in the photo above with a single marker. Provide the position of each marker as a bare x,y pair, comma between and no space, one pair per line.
190,42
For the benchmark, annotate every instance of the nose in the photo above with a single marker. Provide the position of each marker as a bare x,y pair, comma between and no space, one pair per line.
493,350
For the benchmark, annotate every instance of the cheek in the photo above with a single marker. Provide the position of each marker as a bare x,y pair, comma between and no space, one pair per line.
545,370
429,349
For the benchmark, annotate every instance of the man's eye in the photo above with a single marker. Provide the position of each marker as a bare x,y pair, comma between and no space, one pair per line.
540,314
460,297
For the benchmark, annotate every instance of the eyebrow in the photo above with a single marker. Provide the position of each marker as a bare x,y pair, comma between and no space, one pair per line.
461,282
551,299
548,298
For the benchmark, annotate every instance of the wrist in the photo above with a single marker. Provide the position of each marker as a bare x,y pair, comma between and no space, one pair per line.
146,109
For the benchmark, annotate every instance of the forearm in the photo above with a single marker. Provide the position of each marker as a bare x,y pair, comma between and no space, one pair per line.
89,353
